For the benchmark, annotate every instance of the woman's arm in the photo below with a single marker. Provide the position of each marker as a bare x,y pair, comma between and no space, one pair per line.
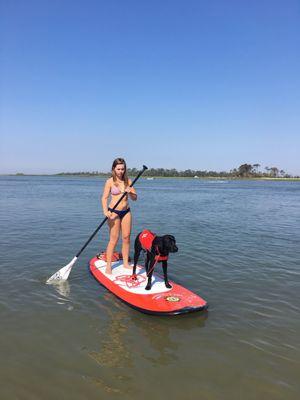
131,191
105,197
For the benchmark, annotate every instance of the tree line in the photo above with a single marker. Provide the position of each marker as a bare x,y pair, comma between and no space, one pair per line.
243,171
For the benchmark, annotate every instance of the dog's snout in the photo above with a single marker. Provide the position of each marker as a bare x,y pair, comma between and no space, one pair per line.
175,249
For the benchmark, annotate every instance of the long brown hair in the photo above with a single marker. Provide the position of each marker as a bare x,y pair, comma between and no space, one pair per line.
116,162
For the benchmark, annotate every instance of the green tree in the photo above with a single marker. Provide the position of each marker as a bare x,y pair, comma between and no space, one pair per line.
245,170
274,172
282,172
255,167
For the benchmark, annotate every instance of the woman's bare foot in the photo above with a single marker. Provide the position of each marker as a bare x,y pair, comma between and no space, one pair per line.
127,266
108,270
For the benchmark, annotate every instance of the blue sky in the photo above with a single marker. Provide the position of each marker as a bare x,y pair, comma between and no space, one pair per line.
168,83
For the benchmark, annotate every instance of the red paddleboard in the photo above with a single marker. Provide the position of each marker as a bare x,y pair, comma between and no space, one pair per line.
159,300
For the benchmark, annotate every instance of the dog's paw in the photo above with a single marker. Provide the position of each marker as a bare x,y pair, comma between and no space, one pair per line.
168,285
148,287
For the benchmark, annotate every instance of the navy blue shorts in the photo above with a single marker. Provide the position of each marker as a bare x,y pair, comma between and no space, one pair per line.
120,213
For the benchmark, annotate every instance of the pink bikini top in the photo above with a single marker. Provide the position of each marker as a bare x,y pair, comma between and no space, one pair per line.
115,190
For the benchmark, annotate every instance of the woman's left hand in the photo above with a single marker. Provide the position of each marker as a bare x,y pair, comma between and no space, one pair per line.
129,190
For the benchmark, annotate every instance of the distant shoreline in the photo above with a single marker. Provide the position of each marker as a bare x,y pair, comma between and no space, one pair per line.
244,171
229,178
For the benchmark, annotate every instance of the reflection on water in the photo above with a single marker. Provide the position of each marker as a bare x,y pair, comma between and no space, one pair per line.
114,351
62,294
129,337
157,334
114,354
62,288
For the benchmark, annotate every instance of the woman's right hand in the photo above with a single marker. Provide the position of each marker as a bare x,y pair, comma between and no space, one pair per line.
108,214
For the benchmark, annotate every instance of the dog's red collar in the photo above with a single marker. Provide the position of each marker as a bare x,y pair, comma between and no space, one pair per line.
159,257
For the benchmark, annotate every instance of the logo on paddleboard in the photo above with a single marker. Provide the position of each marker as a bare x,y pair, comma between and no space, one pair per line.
172,299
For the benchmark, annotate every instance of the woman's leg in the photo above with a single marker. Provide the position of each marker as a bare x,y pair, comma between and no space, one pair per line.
114,232
126,230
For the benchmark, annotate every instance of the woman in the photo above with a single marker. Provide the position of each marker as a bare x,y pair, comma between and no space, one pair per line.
119,220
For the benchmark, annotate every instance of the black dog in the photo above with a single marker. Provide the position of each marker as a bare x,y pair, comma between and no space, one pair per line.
158,249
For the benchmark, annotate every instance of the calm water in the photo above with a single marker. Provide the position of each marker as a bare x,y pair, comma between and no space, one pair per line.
239,248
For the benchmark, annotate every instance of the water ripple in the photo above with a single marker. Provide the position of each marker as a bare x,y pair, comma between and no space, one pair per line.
238,248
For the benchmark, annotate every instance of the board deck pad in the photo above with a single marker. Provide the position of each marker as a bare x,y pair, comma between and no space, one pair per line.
159,300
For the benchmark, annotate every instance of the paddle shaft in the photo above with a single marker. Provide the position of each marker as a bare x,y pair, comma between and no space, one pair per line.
115,206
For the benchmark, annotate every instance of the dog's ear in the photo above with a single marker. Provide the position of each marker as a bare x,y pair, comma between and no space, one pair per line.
168,240
170,243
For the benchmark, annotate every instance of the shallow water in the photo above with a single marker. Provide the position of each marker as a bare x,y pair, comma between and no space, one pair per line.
238,248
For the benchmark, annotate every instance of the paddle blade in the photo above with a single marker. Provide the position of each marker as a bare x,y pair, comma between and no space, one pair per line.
63,273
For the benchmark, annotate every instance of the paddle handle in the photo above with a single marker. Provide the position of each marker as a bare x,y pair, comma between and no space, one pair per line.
115,206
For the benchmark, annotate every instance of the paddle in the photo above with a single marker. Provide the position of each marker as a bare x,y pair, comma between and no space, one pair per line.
63,273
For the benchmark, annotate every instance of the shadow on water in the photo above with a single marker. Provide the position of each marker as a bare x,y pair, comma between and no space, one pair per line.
162,336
